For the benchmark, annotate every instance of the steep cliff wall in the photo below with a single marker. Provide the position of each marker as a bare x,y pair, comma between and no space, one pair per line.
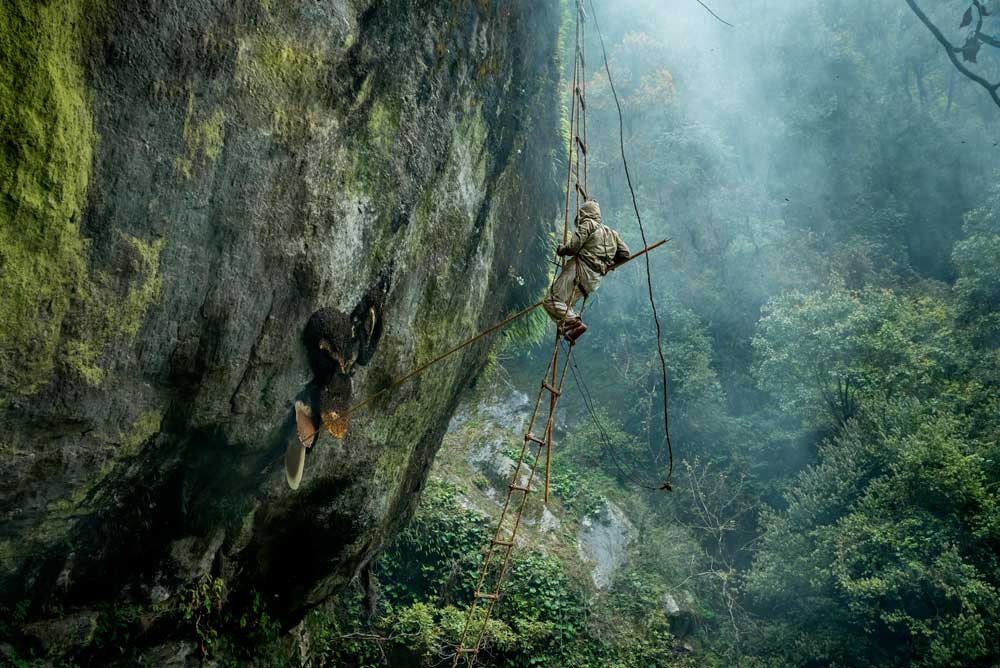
184,184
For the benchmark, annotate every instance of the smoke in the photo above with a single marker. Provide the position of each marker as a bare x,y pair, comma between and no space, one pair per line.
809,144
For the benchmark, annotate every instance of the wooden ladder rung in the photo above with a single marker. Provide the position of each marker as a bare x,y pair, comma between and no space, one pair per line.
529,437
496,543
582,191
583,147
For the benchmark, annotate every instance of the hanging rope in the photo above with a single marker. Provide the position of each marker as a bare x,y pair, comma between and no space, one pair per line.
649,279
606,445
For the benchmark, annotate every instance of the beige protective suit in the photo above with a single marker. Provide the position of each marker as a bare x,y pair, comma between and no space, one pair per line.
596,249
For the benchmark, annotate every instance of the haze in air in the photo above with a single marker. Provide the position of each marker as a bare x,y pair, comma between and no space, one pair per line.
829,295
230,232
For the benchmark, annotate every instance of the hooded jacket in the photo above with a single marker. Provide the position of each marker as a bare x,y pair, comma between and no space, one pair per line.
597,246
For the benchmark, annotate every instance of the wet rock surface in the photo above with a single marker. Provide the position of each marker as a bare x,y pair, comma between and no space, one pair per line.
254,163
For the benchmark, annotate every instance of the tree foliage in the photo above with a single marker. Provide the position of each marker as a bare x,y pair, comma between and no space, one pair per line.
821,354
885,555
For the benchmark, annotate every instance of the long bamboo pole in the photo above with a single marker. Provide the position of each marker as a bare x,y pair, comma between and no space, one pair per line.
468,342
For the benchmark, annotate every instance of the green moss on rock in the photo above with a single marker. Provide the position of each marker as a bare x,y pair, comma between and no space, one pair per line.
202,139
64,511
145,426
45,158
108,316
7,554
383,124
285,74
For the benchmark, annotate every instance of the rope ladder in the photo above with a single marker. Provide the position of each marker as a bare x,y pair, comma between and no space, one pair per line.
496,562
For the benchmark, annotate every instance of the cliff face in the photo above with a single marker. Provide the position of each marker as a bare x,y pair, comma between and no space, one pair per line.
184,185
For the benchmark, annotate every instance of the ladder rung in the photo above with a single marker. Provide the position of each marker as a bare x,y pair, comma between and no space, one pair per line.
504,543
518,488
583,147
550,389
531,437
466,650
582,191
491,597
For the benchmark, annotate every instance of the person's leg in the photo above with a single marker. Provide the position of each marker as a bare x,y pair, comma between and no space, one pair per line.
563,296
573,326
559,301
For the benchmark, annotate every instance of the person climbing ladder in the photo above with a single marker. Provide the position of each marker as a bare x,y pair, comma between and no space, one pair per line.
594,250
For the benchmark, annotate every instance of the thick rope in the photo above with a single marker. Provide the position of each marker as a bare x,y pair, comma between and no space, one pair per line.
642,232
468,342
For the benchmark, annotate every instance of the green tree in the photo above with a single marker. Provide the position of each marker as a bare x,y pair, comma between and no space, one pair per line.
884,555
820,354
977,258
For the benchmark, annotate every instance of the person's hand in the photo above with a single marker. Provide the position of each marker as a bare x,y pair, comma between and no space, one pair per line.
618,261
562,250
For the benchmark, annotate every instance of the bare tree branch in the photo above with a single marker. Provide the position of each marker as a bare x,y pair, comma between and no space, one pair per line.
992,88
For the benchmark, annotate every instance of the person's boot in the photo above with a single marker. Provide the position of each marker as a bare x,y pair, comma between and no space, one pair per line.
568,326
575,333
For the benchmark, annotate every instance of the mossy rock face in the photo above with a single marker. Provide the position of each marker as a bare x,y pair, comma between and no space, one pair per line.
182,191
47,143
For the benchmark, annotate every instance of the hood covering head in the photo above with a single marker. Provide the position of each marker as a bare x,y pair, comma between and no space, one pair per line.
590,210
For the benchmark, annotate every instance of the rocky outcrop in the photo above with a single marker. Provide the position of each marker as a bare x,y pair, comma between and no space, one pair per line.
192,181
489,452
603,542
682,611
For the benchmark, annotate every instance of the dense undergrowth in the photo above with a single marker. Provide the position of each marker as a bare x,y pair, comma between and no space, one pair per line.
547,617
